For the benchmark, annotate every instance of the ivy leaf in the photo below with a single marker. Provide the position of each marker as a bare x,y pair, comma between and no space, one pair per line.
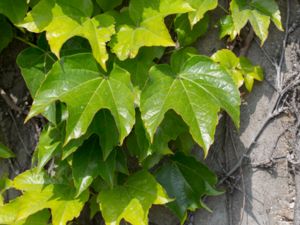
132,200
39,218
48,14
107,5
145,19
105,127
241,69
14,10
34,64
49,143
250,72
6,33
231,62
196,92
258,13
187,35
201,6
140,65
88,164
5,152
77,81
227,27
41,192
186,180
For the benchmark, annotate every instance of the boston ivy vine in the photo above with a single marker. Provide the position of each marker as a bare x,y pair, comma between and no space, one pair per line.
125,102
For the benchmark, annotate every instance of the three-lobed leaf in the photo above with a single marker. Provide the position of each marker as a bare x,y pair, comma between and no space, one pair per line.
48,15
186,180
132,200
143,25
41,192
241,69
77,81
196,90
258,12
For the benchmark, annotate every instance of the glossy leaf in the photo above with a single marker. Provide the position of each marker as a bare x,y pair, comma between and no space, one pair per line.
196,92
187,35
77,81
132,200
241,69
41,192
143,25
15,10
5,152
186,180
6,33
201,7
231,62
48,14
258,13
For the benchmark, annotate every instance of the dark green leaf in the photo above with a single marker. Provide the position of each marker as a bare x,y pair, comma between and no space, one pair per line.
6,33
187,35
15,10
186,180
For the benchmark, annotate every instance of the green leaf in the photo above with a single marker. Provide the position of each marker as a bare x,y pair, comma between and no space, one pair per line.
39,218
132,200
107,5
85,164
227,27
6,32
15,10
143,25
88,164
241,69
186,180
138,142
230,61
5,152
105,127
140,65
170,128
258,13
48,14
187,35
77,81
41,192
250,72
201,6
35,64
49,143
196,92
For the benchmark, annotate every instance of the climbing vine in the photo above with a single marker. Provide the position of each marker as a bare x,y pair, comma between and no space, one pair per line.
126,98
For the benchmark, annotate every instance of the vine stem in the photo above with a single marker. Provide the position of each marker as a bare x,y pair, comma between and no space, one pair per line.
225,10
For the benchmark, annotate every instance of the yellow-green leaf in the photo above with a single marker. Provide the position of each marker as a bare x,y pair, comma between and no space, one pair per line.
132,200
48,15
145,26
